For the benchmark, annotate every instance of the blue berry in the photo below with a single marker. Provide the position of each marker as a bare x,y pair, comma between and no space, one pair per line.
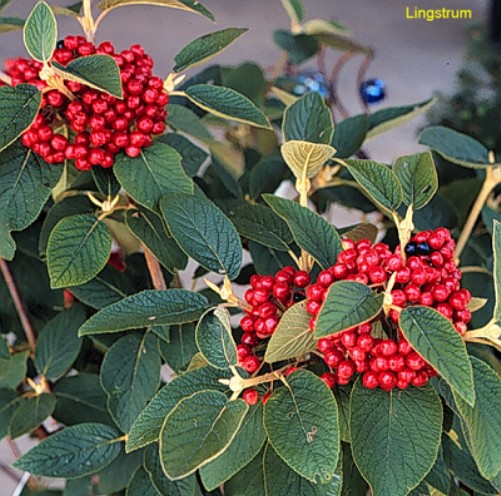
373,90
311,81
423,248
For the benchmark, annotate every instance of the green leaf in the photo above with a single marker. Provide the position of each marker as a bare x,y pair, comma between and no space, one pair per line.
292,337
40,32
11,24
243,449
116,476
146,428
100,72
141,484
105,181
299,47
9,402
483,420
204,233
13,370
418,178
342,394
79,248
280,480
349,135
31,413
73,452
311,232
456,147
301,420
25,186
378,181
108,287
130,376
58,344
186,5
156,173
183,119
389,118
249,481
308,119
18,108
305,159
395,433
227,103
294,9
147,308
181,348
192,156
215,340
433,336
266,175
197,431
149,228
348,304
205,47
353,482
262,225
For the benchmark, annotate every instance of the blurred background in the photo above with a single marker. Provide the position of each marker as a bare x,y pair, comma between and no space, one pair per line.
415,58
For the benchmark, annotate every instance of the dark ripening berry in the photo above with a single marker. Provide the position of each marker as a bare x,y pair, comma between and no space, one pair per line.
298,297
423,248
411,248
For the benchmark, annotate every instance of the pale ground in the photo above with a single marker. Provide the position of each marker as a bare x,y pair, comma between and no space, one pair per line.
416,58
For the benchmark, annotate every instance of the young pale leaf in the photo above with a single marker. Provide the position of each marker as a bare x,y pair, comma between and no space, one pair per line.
100,72
148,227
378,181
58,344
185,445
349,135
204,233
435,339
301,420
305,159
228,104
79,247
483,420
311,232
75,451
418,177
146,428
31,413
362,231
18,108
348,304
295,10
205,47
308,119
147,308
40,32
260,224
130,375
395,433
281,480
456,147
215,340
293,336
389,118
156,173
141,485
246,445
186,5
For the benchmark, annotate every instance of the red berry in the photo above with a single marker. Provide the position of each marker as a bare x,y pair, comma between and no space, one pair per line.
329,379
325,278
414,361
370,380
346,369
251,363
387,380
388,347
250,396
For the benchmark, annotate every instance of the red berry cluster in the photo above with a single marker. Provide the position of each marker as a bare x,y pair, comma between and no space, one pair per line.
428,277
95,126
268,297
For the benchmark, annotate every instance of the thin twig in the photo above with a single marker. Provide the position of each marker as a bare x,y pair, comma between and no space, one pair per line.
333,87
157,277
364,67
19,305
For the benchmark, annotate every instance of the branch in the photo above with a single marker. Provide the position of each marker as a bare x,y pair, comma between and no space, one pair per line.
157,277
19,305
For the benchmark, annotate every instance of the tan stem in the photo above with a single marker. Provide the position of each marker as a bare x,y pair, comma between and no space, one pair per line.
19,305
487,187
157,277
88,20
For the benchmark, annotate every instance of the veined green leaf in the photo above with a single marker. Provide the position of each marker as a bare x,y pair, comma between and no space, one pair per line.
395,433
433,336
31,413
349,135
301,420
147,308
141,484
292,337
205,47
40,32
348,304
185,445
